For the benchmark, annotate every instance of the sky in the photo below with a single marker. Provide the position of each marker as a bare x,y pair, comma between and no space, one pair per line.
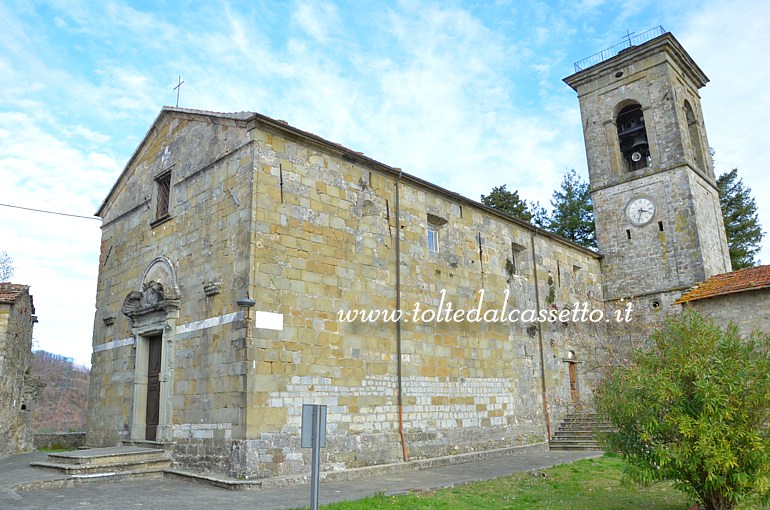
465,94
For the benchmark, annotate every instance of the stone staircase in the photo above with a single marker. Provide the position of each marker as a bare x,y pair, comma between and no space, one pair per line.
108,462
577,431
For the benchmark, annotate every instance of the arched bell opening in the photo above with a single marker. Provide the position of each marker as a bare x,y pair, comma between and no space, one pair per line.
632,137
695,140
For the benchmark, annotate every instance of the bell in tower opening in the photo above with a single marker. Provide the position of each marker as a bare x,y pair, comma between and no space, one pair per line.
632,137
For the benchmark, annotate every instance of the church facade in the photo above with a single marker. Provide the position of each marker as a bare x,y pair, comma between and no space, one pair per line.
249,267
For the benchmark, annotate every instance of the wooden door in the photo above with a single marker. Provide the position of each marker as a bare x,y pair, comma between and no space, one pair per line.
573,387
153,387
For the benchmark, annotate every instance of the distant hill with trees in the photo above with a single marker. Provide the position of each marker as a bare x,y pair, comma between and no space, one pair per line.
62,406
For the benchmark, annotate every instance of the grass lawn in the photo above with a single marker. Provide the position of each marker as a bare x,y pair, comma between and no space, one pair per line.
587,484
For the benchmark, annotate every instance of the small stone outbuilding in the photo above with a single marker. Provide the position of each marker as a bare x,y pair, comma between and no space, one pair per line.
741,297
17,387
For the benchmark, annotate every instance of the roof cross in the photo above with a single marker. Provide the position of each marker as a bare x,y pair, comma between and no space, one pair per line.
179,86
628,37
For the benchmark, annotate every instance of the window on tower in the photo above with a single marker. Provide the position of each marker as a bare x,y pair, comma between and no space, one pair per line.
632,136
695,141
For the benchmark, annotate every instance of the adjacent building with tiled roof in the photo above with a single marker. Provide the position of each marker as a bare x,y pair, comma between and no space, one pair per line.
752,278
742,297
10,292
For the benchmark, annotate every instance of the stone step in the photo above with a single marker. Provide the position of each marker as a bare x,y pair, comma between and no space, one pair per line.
574,445
589,423
156,445
108,456
97,461
585,434
578,431
587,430
586,421
117,467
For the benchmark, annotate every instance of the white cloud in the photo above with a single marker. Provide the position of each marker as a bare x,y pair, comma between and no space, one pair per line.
56,255
317,19
84,133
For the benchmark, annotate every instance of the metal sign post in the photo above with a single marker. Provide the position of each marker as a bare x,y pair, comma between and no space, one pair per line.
314,436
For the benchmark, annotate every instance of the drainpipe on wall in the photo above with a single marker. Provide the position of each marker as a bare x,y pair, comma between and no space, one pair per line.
540,339
398,322
248,303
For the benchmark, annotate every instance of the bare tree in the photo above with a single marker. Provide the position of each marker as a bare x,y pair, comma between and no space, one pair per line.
6,267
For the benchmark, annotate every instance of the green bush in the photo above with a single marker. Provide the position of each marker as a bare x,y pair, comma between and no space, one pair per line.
694,408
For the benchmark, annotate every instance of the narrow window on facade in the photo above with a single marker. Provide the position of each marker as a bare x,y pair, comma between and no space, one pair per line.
632,136
432,239
434,224
162,195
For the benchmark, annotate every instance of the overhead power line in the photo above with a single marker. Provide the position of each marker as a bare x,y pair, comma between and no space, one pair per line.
51,212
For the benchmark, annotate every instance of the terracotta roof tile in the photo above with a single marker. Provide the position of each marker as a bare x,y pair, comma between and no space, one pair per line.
752,278
9,292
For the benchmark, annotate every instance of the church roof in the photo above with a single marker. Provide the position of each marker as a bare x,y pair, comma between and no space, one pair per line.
752,278
10,292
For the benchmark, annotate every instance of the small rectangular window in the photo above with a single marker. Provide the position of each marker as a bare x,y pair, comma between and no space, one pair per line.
434,224
432,239
516,259
163,193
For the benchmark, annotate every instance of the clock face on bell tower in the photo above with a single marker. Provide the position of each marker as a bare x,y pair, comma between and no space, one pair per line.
658,220
640,211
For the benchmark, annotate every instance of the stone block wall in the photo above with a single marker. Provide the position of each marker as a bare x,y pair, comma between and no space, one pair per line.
683,244
749,310
712,239
326,232
60,441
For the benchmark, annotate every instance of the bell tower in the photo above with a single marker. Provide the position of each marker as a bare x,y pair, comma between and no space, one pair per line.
656,206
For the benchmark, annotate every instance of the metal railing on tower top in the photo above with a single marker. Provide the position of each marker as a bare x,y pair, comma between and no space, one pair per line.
628,41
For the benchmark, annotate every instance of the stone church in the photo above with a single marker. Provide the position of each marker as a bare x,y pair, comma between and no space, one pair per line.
242,258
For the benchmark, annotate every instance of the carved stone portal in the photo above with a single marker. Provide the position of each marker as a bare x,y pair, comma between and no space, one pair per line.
153,312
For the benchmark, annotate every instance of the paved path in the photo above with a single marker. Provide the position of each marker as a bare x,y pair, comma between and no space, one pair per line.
183,495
